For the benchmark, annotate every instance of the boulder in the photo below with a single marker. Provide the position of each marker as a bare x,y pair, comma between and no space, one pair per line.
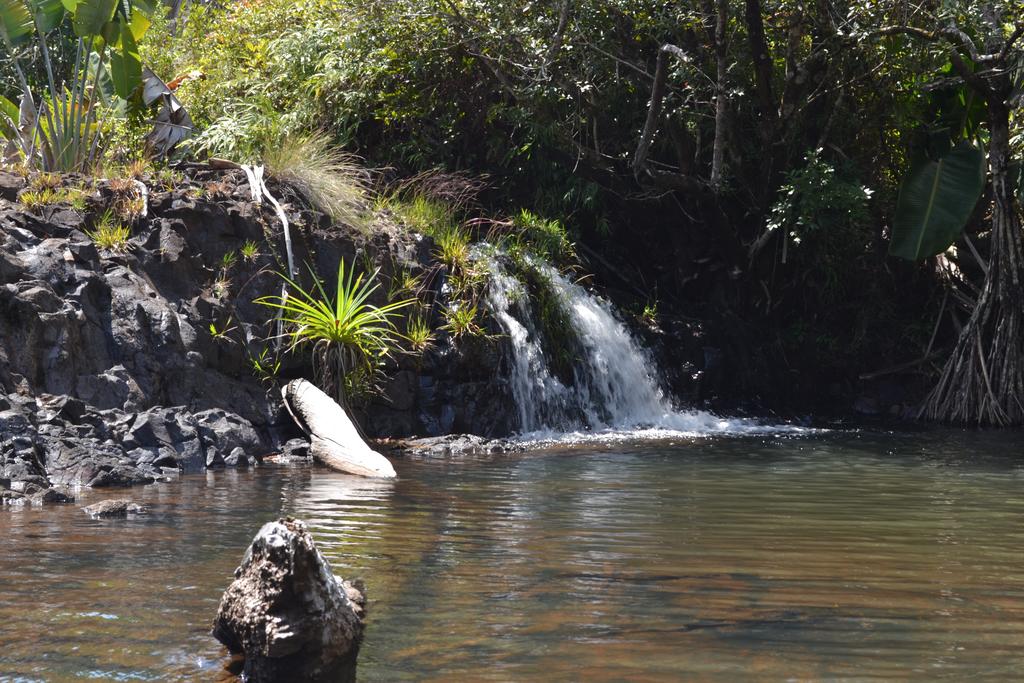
334,439
117,507
287,612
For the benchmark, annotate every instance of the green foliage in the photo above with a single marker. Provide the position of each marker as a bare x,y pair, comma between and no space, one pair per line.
547,238
935,202
421,214
818,197
648,315
404,282
221,333
453,247
348,334
33,200
228,261
60,127
266,366
108,233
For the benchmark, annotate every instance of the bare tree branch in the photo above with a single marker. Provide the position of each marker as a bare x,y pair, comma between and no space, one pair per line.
559,37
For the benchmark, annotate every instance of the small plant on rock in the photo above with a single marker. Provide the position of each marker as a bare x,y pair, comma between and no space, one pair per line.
110,234
228,261
250,251
221,333
265,366
649,315
462,322
331,179
419,334
453,247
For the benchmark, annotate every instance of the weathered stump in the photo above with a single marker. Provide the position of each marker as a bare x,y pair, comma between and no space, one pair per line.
288,614
334,440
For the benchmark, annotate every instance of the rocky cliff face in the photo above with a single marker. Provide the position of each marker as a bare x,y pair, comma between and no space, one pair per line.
117,368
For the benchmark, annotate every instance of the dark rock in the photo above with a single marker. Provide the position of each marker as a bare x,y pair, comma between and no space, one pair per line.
295,449
286,611
121,476
10,185
173,429
224,432
115,507
51,496
237,458
214,459
12,498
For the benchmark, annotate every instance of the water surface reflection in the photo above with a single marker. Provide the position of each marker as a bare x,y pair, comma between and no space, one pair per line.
838,555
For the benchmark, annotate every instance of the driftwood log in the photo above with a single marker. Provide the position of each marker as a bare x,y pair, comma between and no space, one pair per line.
334,440
287,612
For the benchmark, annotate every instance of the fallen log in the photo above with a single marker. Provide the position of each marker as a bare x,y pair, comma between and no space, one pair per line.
334,440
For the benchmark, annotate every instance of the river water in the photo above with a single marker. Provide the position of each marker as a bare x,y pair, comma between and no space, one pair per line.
862,554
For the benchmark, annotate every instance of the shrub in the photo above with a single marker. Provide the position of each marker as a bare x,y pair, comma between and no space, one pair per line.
328,177
548,238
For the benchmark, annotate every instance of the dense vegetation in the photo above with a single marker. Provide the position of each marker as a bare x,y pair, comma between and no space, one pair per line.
739,163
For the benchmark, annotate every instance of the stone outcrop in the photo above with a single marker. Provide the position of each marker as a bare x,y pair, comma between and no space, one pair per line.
287,612
117,368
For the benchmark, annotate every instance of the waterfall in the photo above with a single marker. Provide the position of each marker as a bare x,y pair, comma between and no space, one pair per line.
612,385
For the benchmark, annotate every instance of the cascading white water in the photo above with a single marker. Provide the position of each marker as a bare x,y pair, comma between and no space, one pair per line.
613,386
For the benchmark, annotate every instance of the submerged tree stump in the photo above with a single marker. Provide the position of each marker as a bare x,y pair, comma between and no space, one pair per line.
286,611
334,439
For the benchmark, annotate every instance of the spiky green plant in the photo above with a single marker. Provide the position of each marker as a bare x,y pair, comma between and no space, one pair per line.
349,335
419,334
250,251
228,261
462,321
108,233
453,247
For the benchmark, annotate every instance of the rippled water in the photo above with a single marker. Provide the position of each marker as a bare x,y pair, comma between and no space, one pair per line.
830,555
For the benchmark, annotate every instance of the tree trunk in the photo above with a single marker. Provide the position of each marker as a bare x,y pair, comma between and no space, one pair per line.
983,380
722,66
762,69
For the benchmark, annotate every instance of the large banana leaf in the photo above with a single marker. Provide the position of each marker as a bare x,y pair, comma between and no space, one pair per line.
125,65
935,202
173,123
16,25
9,114
91,15
48,14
